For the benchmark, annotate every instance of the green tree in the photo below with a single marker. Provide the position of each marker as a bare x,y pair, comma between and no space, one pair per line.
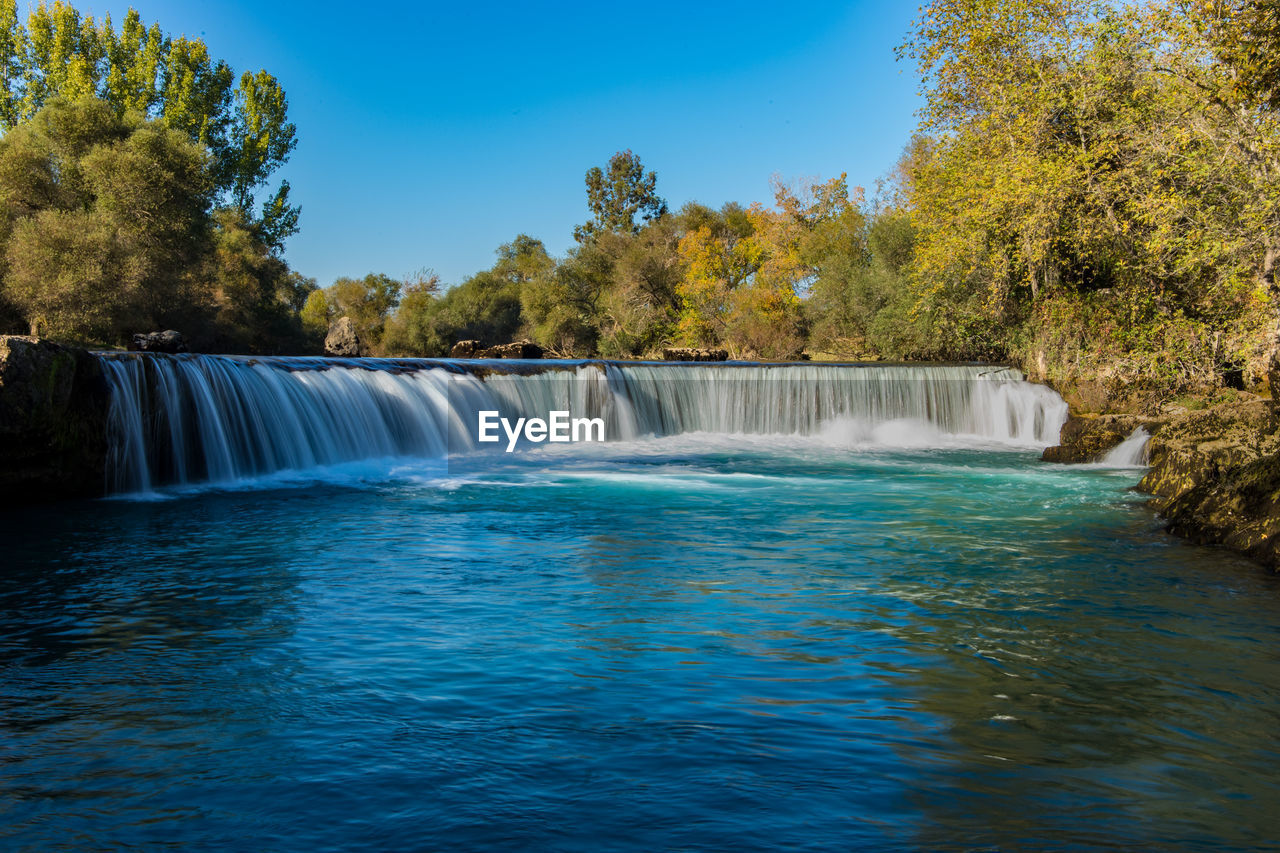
411,331
113,213
618,196
562,310
63,272
256,297
638,310
12,54
315,316
368,301
107,227
261,140
135,57
61,54
1100,186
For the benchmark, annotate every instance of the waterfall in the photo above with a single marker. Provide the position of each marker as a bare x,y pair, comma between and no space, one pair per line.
195,418
1130,453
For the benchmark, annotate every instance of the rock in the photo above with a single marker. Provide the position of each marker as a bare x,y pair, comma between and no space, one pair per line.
476,349
343,340
1087,439
54,402
517,349
167,341
1086,395
1215,478
1214,472
694,354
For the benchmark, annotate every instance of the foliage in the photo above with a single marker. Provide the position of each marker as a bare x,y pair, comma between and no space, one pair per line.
485,307
616,197
367,301
314,317
1087,154
104,221
58,53
256,297
107,227
752,280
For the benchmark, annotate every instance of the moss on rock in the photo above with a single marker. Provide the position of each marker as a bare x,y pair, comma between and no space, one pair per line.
1215,477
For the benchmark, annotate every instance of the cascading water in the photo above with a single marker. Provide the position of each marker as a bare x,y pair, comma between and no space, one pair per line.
194,418
1130,453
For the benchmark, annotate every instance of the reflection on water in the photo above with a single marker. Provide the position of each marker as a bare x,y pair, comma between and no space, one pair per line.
694,646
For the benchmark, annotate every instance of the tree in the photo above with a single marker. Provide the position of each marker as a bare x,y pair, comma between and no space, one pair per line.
562,309
410,330
107,227
616,197
12,52
261,140
134,60
105,221
256,297
315,316
1100,184
60,54
368,301
64,274
638,310
718,256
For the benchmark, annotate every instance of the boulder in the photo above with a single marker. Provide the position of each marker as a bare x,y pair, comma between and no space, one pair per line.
466,349
343,340
516,349
167,341
694,354
54,404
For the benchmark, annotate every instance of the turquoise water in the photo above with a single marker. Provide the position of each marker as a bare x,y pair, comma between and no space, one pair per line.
694,643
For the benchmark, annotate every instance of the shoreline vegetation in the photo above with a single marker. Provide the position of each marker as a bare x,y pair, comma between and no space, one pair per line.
1093,196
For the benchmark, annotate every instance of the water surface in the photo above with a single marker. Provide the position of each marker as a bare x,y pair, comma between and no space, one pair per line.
698,643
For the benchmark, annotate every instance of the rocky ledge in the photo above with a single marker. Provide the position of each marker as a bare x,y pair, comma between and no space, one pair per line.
1215,478
1214,473
53,421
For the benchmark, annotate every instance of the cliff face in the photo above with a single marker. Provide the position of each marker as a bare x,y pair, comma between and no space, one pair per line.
53,421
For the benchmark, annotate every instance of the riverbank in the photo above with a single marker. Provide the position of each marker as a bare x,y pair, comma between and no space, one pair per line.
1214,463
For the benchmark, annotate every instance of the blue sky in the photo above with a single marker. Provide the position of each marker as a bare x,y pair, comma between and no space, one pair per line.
430,133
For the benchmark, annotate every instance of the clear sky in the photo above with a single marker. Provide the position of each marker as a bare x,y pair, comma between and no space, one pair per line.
429,133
